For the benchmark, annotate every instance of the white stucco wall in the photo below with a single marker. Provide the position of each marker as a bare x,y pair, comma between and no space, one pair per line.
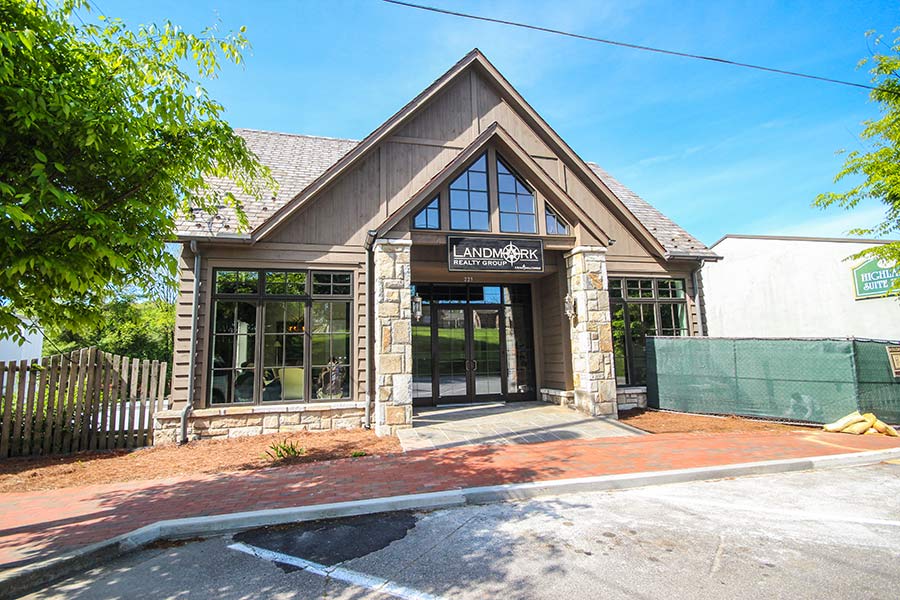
792,288
10,350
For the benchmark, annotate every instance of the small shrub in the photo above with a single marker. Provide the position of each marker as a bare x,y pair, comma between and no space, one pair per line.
358,453
284,449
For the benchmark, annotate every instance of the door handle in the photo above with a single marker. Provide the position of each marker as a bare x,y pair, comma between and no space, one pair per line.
474,365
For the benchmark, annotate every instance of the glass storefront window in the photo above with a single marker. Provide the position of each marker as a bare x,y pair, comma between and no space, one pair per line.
237,282
647,307
330,350
639,288
233,352
421,354
296,364
283,341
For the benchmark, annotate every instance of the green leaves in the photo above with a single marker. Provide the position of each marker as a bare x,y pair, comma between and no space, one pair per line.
107,136
877,168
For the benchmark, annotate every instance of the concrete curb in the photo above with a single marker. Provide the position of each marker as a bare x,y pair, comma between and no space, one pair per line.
22,580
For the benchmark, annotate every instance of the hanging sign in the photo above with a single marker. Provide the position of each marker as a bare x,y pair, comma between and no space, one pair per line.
874,278
893,353
494,254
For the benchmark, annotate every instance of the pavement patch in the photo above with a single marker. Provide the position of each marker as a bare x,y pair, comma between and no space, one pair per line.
333,541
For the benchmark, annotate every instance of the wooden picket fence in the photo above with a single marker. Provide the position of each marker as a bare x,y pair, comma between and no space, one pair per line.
83,400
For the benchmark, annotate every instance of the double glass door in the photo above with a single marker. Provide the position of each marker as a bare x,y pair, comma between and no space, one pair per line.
472,343
469,353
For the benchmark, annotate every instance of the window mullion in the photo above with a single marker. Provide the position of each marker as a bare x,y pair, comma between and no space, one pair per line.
259,339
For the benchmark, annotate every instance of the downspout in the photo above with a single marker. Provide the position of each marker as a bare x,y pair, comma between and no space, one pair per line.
370,324
195,308
698,298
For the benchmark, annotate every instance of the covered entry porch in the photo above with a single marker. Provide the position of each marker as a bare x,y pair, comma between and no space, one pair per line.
503,424
444,337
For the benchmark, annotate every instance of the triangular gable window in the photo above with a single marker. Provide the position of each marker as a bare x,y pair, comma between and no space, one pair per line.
555,224
429,217
469,198
516,202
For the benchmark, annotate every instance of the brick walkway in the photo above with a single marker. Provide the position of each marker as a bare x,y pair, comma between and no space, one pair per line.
35,525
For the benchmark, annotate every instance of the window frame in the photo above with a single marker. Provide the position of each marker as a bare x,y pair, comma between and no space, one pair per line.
550,210
656,300
468,191
427,207
259,299
498,160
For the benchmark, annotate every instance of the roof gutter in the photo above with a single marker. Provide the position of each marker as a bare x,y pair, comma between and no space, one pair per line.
195,309
371,235
698,299
701,257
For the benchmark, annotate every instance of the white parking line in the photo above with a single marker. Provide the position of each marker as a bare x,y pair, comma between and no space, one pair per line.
376,584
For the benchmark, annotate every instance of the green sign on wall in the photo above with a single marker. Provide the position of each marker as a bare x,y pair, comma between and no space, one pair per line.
874,278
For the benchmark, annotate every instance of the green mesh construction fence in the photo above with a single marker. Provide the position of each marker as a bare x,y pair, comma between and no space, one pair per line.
816,380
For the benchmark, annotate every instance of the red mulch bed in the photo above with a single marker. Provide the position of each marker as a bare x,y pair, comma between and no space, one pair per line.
655,421
201,457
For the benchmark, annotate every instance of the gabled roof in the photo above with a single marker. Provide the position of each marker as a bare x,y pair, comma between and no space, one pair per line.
677,242
295,161
305,165
495,134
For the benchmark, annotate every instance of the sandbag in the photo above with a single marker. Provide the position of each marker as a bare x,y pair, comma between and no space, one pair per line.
861,427
882,427
842,424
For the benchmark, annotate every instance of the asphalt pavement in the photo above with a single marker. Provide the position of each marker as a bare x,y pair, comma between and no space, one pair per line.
831,533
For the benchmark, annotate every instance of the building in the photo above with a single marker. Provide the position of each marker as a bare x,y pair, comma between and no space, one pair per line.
779,286
12,351
461,252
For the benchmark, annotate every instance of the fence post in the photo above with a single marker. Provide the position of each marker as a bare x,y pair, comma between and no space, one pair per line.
122,402
10,370
71,418
60,397
135,372
49,404
143,403
15,445
30,415
103,433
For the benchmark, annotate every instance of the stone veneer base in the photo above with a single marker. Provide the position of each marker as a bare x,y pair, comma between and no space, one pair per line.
560,397
631,397
238,421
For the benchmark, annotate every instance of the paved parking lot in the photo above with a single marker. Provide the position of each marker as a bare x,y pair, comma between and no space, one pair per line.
510,423
823,534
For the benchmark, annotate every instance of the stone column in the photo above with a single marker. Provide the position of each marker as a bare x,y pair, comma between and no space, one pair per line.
393,336
593,365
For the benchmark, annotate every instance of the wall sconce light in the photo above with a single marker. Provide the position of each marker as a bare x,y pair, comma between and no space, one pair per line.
571,307
417,308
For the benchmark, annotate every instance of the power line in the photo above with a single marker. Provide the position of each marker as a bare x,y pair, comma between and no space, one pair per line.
714,59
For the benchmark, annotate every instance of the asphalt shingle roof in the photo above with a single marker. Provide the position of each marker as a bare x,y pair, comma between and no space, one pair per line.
676,241
297,160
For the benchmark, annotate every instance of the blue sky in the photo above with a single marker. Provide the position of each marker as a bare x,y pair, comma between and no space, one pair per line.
718,149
